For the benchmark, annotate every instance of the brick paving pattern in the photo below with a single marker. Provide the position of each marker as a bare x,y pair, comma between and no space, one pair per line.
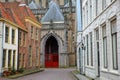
49,74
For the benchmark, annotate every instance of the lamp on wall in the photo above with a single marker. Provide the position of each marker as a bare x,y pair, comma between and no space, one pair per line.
83,46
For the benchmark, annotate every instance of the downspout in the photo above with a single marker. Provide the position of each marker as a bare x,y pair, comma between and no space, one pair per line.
18,51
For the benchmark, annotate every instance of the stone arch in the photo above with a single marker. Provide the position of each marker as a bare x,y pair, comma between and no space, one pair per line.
43,42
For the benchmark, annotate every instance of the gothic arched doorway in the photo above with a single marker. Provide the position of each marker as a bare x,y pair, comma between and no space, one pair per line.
51,53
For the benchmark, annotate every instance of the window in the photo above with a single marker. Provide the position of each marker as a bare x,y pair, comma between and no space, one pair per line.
36,56
6,34
13,36
9,58
14,53
23,60
30,56
91,49
4,58
96,7
65,2
37,31
87,13
104,47
32,32
90,10
97,34
20,38
24,39
103,4
84,17
20,60
87,50
114,44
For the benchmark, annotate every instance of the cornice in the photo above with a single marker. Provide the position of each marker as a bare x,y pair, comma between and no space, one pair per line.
11,23
34,22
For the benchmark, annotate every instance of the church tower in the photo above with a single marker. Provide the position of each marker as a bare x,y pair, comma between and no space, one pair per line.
62,30
58,34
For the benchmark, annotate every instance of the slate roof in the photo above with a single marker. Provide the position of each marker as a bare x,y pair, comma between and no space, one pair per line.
54,13
33,5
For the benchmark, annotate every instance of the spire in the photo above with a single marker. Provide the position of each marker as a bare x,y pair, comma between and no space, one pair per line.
53,13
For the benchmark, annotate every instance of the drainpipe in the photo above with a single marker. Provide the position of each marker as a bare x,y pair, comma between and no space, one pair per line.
18,51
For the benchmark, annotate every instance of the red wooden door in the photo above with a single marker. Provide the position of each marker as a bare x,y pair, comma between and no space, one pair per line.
51,60
51,53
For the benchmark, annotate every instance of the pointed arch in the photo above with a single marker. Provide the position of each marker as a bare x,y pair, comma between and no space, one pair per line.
43,43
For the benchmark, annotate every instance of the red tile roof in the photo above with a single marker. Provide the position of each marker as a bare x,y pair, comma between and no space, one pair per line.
4,13
16,12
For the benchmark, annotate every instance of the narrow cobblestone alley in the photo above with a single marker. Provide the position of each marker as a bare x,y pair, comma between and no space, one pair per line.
49,74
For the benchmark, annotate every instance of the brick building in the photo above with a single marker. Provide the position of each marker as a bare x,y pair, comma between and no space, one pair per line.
29,42
9,39
20,37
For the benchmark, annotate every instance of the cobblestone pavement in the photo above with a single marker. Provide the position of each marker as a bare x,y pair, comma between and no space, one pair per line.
49,74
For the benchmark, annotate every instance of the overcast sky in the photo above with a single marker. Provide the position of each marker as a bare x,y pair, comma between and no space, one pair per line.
78,15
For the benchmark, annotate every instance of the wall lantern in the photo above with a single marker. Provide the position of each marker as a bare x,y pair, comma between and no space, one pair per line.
83,46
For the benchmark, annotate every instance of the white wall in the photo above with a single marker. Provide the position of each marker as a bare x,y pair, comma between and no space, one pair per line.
10,46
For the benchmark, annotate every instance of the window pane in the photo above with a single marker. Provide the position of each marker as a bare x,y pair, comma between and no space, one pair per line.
4,58
13,36
103,4
113,25
114,50
91,49
20,38
9,58
87,51
97,34
105,52
14,53
6,34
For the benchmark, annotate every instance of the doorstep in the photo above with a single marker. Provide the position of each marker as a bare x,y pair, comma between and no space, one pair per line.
81,76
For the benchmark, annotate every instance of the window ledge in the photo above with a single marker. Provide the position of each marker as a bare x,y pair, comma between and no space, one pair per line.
111,72
104,70
114,72
90,67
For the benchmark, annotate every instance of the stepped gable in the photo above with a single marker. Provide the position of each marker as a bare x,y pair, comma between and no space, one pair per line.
54,13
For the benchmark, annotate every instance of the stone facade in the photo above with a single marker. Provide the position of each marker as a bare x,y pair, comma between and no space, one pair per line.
69,17
65,28
101,53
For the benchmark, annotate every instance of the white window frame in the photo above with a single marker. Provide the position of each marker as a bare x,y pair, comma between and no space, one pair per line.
104,38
